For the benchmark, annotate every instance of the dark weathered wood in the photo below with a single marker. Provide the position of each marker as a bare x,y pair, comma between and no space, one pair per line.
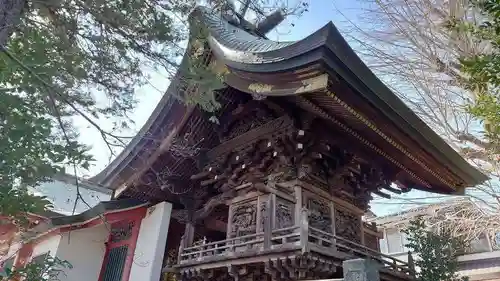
391,189
188,237
268,227
382,194
316,165
304,230
270,270
181,248
232,271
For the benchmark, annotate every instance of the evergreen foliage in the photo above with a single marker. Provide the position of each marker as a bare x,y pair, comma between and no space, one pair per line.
436,253
66,58
61,59
48,269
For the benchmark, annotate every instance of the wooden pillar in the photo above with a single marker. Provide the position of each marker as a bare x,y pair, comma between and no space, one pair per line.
229,222
268,223
186,240
304,230
363,234
188,237
298,204
333,216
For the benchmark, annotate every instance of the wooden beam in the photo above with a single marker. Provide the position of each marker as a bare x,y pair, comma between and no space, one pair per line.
391,189
215,224
200,175
381,194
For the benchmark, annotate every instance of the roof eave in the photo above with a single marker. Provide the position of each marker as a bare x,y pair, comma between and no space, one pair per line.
332,49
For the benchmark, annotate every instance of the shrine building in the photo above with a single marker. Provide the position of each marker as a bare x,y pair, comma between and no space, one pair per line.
274,184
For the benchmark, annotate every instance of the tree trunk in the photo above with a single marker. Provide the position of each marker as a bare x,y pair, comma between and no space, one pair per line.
10,14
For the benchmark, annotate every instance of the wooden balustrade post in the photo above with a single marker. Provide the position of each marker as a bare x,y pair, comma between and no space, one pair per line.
411,263
203,247
179,254
304,230
268,227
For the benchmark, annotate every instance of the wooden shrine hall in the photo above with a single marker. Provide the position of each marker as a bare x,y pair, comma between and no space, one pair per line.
273,185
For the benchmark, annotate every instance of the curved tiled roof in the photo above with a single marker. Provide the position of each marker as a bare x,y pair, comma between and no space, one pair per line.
234,37
328,46
251,54
233,44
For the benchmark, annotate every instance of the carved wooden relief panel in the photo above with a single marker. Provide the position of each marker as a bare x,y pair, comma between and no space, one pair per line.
244,219
242,126
245,118
320,216
348,225
284,214
371,241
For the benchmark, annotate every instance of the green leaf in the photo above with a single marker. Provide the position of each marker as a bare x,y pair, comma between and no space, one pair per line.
436,252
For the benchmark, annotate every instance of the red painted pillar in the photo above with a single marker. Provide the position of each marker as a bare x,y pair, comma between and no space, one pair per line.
23,257
132,243
7,234
124,232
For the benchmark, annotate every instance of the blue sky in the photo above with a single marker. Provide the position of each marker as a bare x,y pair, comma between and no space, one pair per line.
320,13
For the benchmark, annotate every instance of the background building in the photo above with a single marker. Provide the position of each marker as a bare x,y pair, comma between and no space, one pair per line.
62,192
114,240
481,261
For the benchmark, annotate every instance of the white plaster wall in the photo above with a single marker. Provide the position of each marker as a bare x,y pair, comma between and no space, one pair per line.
49,245
150,247
84,249
63,195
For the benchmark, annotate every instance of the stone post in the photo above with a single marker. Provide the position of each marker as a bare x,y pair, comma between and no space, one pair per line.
361,270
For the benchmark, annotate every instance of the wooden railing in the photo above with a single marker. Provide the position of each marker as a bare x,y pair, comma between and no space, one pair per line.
301,235
284,236
325,239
